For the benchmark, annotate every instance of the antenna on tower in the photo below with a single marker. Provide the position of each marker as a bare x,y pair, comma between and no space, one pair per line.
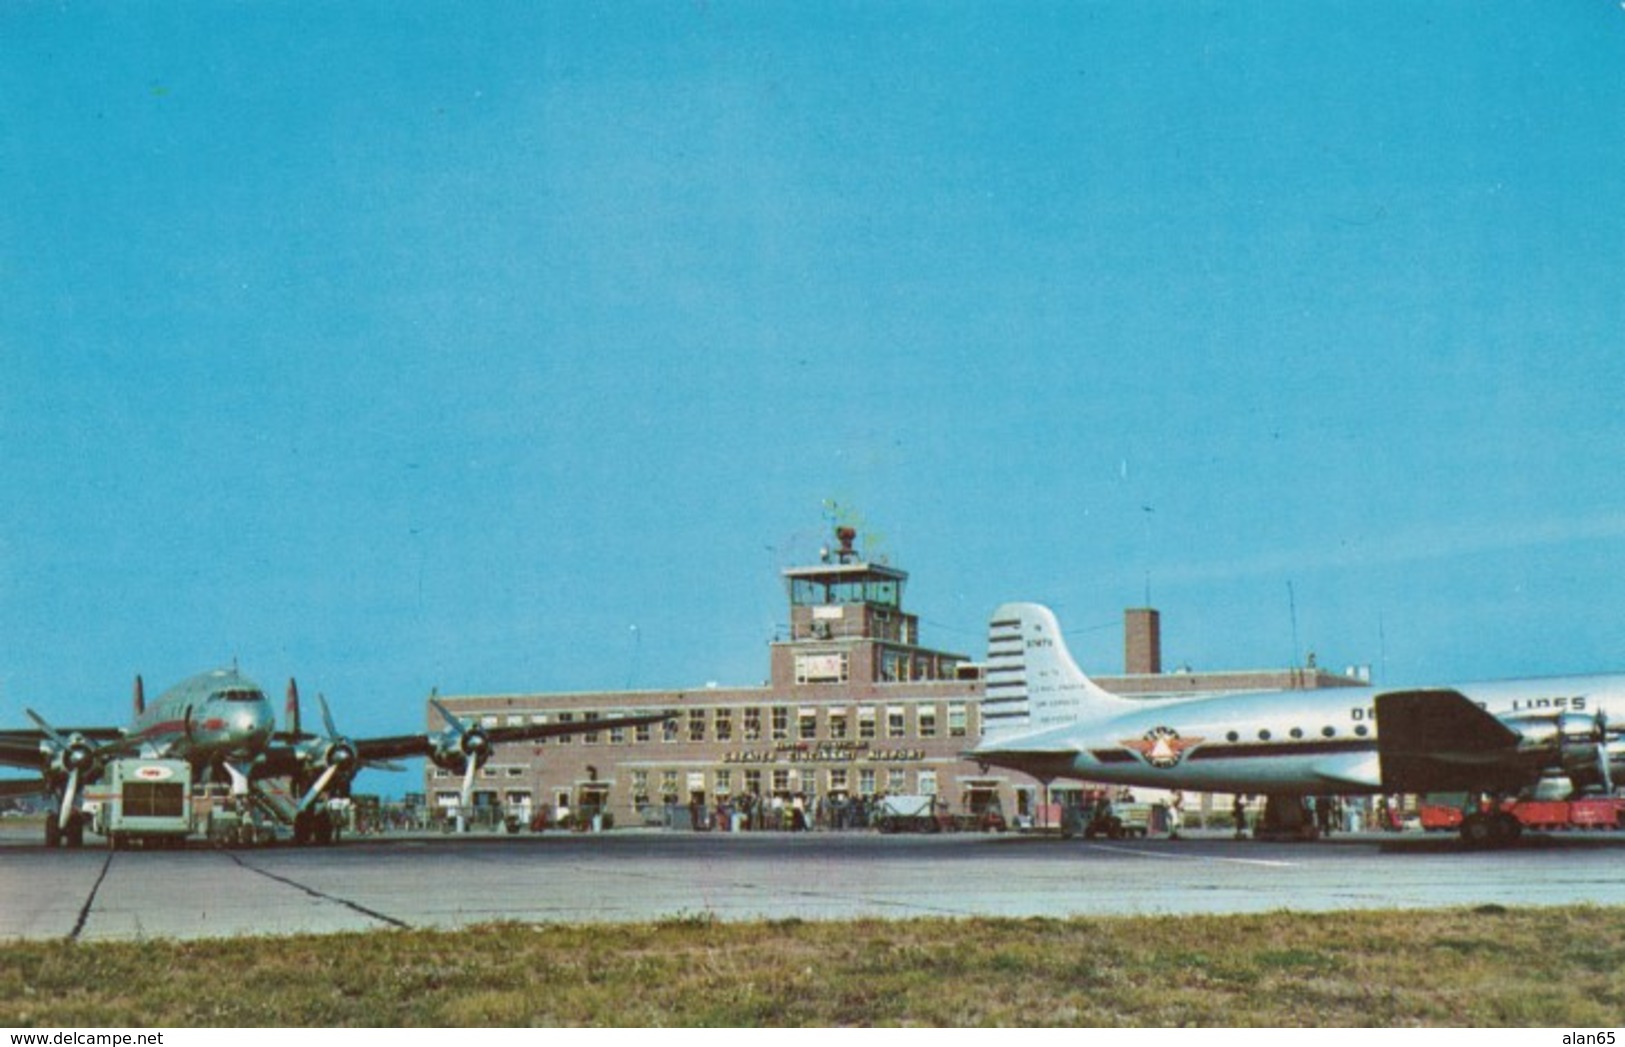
1292,608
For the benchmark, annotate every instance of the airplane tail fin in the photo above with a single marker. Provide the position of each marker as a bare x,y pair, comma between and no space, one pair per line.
290,709
1032,682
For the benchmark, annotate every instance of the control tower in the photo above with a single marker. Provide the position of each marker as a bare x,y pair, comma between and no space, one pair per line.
848,627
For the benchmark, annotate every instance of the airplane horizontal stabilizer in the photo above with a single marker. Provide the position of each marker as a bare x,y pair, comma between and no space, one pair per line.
1441,740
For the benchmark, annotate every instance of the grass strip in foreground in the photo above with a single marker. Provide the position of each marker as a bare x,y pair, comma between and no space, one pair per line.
1484,967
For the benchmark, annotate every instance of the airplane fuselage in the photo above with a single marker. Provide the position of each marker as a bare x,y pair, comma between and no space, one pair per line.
219,715
1320,741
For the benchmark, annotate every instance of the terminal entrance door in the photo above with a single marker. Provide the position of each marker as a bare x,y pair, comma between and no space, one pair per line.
980,803
592,798
516,804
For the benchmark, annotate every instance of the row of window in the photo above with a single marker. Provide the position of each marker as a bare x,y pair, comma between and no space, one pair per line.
1264,735
783,723
723,782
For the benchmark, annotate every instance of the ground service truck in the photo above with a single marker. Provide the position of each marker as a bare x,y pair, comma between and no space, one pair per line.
145,801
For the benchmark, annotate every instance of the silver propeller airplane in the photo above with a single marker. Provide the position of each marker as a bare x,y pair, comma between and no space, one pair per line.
222,724
1043,716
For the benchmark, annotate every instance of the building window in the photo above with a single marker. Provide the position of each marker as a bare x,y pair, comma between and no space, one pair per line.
928,783
781,780
866,721
725,780
725,725
896,725
590,737
807,724
896,780
640,788
668,786
837,724
539,719
753,724
781,723
668,730
753,783
866,781
641,733
927,721
956,719
617,736
696,725
566,718
837,780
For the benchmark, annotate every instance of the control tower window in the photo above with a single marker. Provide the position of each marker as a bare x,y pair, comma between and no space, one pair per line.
815,592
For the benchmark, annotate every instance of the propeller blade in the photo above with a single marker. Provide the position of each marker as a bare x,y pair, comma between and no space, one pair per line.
316,789
468,791
447,715
69,794
140,696
47,728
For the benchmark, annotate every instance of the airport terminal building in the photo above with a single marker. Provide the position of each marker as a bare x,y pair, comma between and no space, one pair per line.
855,708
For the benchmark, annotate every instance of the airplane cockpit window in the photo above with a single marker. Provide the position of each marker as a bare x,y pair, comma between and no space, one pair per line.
240,695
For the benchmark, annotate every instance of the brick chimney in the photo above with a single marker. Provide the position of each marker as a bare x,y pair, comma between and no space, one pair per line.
1142,641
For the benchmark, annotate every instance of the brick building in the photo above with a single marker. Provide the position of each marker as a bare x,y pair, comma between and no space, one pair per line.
855,707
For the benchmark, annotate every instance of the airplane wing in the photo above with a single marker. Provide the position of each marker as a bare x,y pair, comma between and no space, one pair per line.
11,788
304,752
371,749
1443,741
23,748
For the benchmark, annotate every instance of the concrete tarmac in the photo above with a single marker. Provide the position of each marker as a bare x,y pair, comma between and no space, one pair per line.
642,875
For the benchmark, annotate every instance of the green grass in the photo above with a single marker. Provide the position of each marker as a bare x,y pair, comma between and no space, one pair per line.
1489,967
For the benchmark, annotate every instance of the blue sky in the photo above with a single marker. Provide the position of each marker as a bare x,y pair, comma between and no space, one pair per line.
519,346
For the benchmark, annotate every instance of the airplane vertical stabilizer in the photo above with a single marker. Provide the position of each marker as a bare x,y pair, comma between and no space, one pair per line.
1032,682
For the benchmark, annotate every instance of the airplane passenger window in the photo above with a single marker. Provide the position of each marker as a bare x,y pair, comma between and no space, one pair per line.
1263,736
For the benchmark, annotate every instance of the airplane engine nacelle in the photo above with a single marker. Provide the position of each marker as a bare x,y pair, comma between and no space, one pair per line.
454,750
339,754
1582,747
78,755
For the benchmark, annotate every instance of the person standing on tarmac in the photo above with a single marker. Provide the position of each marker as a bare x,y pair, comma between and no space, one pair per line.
1239,810
1176,813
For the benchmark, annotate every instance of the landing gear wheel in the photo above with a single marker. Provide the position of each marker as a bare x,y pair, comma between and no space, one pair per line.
1507,829
53,832
75,835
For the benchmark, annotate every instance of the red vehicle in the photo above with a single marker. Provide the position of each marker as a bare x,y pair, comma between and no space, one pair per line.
1601,812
